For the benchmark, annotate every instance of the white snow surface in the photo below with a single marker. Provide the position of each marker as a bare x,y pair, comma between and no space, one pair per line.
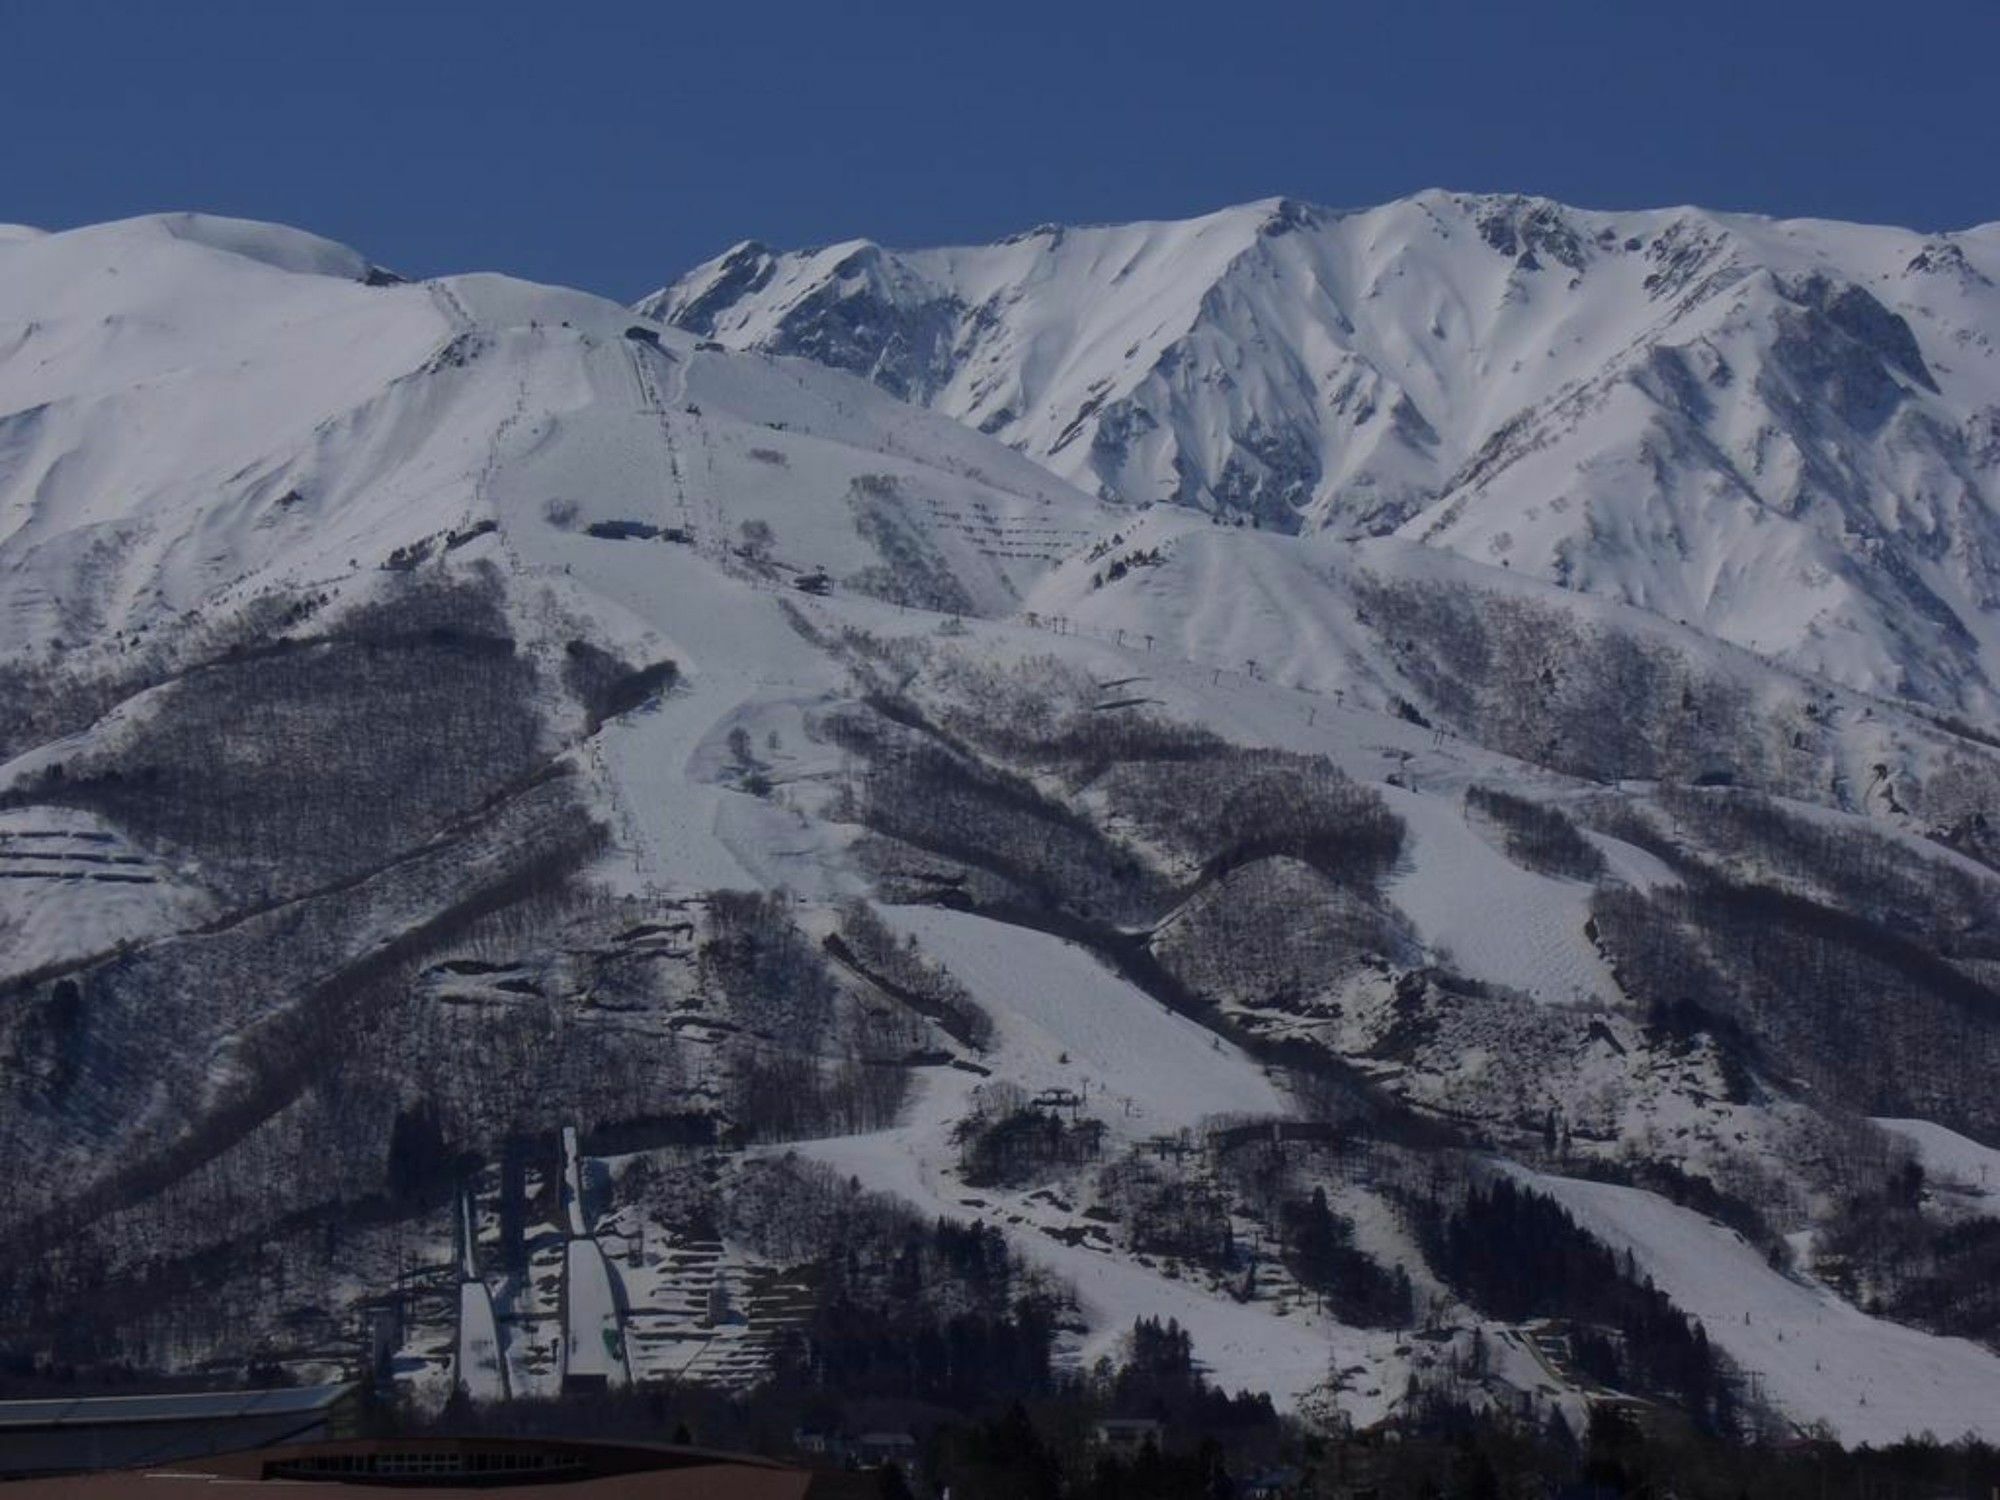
71,886
1065,1021
479,1365
1146,1072
1725,419
593,1332
195,410
1495,920
1953,1162
1817,1357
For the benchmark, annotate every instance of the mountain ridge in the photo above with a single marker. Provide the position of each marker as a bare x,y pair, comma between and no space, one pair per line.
507,803
1616,401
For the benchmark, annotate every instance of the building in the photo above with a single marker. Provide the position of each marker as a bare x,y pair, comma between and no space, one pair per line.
1126,1436
446,1467
75,1433
884,1448
1285,1483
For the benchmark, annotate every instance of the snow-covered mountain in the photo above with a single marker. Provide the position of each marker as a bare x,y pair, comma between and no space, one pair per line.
533,823
1784,433
196,409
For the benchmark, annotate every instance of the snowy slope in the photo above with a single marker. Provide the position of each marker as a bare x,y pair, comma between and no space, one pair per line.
1781,431
1817,1358
1490,918
1066,1022
479,1361
202,417
593,1336
1953,1163
1294,614
71,886
194,409
187,398
1063,1021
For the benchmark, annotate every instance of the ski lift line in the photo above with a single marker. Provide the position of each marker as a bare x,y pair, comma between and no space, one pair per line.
718,548
653,403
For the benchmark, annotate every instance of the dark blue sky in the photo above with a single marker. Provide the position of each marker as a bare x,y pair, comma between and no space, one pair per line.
612,143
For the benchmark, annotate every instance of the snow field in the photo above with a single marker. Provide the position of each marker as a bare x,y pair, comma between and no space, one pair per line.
1954,1163
1816,1357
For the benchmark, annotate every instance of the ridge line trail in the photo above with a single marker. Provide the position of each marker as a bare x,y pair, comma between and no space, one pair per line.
460,317
456,313
709,530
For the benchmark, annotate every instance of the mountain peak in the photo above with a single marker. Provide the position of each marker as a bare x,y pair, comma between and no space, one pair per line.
1612,401
275,245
